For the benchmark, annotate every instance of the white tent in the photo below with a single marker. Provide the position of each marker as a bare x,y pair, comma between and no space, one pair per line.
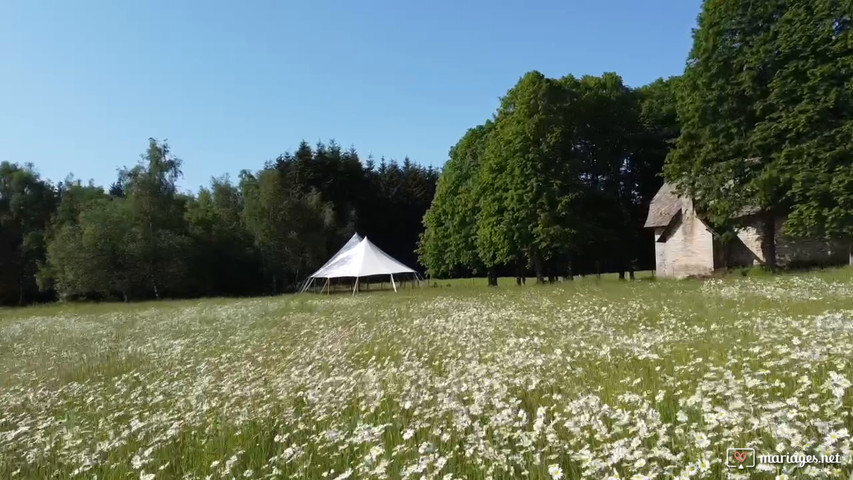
362,260
352,242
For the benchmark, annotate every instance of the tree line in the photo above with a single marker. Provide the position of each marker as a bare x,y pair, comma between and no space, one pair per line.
142,238
557,182
560,178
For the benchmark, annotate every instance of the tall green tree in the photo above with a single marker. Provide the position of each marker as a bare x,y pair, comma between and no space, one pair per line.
74,197
659,128
724,157
158,216
604,117
526,181
448,243
809,117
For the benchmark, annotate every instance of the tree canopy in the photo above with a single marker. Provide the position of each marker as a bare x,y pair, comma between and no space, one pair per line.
143,238
559,179
766,112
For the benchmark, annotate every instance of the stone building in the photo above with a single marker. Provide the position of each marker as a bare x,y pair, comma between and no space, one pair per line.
687,246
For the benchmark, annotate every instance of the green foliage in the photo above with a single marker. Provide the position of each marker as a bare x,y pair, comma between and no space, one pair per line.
289,226
26,204
766,110
526,183
448,243
811,99
98,254
161,244
564,171
660,128
145,239
729,69
223,258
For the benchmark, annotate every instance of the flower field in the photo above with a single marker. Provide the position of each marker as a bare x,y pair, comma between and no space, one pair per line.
628,380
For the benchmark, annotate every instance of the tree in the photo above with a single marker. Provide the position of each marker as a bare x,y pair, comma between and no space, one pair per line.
809,117
144,239
448,243
158,216
385,203
604,118
527,178
660,129
725,156
223,260
97,255
565,171
26,205
74,198
289,226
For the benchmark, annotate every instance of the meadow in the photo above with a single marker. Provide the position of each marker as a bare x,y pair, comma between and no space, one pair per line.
588,379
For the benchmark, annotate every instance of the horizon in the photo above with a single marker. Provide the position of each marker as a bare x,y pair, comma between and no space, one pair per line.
229,88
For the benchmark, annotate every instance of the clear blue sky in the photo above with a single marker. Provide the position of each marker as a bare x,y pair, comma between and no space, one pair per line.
232,84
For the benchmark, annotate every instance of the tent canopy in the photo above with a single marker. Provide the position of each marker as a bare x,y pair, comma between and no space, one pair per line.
361,260
351,243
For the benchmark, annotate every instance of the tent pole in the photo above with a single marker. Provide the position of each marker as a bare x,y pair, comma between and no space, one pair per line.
329,287
393,284
355,287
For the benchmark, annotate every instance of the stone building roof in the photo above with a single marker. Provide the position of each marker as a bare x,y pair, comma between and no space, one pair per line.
664,206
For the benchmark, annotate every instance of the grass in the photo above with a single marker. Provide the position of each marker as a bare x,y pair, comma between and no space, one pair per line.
594,378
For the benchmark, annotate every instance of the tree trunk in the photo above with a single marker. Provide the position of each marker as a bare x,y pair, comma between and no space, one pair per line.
631,274
621,274
768,241
274,284
537,265
156,290
569,274
492,277
519,272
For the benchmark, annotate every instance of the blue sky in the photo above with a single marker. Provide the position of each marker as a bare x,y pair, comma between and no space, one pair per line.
233,84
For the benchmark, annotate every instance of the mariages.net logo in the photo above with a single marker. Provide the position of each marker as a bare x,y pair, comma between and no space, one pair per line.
741,458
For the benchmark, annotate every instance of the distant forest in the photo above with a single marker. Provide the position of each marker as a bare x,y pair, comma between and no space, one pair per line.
143,239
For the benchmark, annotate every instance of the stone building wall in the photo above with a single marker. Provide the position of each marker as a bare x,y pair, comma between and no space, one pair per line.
686,247
792,251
